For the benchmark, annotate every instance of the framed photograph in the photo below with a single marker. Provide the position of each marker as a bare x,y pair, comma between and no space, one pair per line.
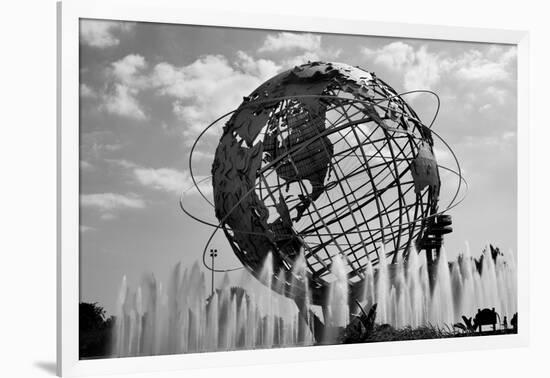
238,189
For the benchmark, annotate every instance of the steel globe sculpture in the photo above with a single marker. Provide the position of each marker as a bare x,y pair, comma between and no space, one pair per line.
324,159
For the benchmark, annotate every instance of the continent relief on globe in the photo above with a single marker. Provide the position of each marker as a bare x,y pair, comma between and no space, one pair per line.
283,132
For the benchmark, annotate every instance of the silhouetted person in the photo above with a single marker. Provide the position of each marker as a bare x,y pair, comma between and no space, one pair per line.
514,322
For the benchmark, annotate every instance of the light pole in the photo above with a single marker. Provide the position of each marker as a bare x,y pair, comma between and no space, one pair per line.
213,255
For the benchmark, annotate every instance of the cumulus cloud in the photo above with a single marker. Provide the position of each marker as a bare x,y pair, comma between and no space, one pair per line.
261,68
111,201
298,48
396,55
166,179
206,88
308,56
126,81
201,91
210,86
128,70
170,180
422,69
102,33
425,72
121,100
487,67
286,41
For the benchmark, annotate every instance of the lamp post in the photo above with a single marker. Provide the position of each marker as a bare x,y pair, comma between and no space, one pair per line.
213,255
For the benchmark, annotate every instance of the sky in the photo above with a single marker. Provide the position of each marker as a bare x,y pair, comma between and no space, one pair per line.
147,90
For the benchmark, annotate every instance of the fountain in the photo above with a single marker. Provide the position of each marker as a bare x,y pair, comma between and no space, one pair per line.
184,318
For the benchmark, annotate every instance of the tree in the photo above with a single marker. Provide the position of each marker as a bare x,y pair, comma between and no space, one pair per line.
94,331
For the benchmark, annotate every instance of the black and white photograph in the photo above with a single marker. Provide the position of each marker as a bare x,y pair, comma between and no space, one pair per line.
246,189
274,189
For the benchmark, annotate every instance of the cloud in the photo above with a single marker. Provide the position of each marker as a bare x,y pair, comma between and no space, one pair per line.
443,156
425,72
501,141
261,68
485,108
107,216
86,166
201,91
95,148
498,94
423,69
103,33
123,163
96,145
122,101
128,70
308,56
83,228
108,203
111,201
169,180
210,86
87,92
99,148
166,179
494,65
509,135
286,41
306,47
126,80
311,56
199,155
395,55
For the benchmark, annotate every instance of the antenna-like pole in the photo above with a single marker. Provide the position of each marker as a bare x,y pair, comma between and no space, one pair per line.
213,255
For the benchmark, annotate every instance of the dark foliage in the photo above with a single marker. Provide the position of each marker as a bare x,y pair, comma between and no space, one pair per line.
362,329
94,331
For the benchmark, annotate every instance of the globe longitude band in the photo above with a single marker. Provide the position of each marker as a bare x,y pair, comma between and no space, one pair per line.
325,159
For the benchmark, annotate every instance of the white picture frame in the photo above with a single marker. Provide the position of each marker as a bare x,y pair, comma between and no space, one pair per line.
167,11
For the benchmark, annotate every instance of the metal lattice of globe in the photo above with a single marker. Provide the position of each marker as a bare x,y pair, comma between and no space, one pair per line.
324,159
